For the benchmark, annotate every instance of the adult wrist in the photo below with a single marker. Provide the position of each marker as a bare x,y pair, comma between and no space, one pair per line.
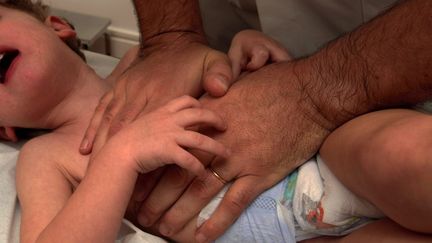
335,80
175,37
169,21
171,39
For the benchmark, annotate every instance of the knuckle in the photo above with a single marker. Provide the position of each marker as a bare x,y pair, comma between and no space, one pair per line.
261,53
108,117
151,210
189,160
202,189
113,104
238,201
214,228
174,218
100,107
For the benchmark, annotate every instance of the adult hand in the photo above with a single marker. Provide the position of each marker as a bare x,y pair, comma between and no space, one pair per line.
273,127
164,71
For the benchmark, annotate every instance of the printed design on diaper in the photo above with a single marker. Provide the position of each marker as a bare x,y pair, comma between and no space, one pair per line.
313,213
322,205
288,193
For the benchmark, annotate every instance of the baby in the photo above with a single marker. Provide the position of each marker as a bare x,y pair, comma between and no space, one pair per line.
45,85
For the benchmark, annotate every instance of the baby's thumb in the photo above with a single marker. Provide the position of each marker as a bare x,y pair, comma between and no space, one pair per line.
217,74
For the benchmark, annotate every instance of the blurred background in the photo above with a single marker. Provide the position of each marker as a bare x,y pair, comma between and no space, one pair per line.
109,26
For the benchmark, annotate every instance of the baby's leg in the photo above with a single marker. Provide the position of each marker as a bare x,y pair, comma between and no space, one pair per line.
386,157
383,230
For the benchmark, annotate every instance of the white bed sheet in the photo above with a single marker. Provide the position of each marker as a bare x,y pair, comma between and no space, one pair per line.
9,213
102,64
10,210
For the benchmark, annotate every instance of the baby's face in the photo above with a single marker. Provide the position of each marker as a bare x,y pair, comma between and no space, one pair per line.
33,62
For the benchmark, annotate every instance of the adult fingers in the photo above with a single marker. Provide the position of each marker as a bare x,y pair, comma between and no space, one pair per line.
127,113
187,233
112,109
197,195
90,134
169,188
101,135
172,184
217,74
143,186
238,197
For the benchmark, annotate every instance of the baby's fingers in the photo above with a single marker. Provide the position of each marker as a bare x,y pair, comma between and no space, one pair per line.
181,103
196,116
195,140
278,53
260,56
237,58
184,159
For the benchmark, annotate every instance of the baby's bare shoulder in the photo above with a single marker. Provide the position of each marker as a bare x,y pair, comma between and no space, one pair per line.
45,147
52,153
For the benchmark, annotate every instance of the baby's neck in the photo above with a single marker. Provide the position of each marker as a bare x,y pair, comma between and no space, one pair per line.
73,114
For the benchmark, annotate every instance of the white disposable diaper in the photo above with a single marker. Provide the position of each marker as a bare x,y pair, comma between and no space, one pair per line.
308,203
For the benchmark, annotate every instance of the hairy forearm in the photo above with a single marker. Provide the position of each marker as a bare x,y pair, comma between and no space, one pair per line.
384,63
173,19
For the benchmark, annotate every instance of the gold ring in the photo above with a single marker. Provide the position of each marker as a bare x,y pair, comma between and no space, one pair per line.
218,176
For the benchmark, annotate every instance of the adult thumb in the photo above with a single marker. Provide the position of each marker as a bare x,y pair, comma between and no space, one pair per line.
217,74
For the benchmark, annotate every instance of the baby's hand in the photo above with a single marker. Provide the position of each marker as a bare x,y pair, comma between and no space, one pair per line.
162,137
251,50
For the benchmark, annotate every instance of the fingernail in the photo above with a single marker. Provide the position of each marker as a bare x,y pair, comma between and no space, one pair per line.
164,230
84,144
201,238
223,81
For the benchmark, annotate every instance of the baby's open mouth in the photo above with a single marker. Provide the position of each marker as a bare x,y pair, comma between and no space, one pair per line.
6,59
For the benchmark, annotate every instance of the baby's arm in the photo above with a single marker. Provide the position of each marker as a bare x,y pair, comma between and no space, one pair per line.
52,212
251,50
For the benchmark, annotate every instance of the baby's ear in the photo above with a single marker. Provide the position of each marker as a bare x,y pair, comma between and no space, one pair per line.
8,133
62,28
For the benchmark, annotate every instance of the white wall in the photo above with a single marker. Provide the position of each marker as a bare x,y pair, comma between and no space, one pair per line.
123,31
